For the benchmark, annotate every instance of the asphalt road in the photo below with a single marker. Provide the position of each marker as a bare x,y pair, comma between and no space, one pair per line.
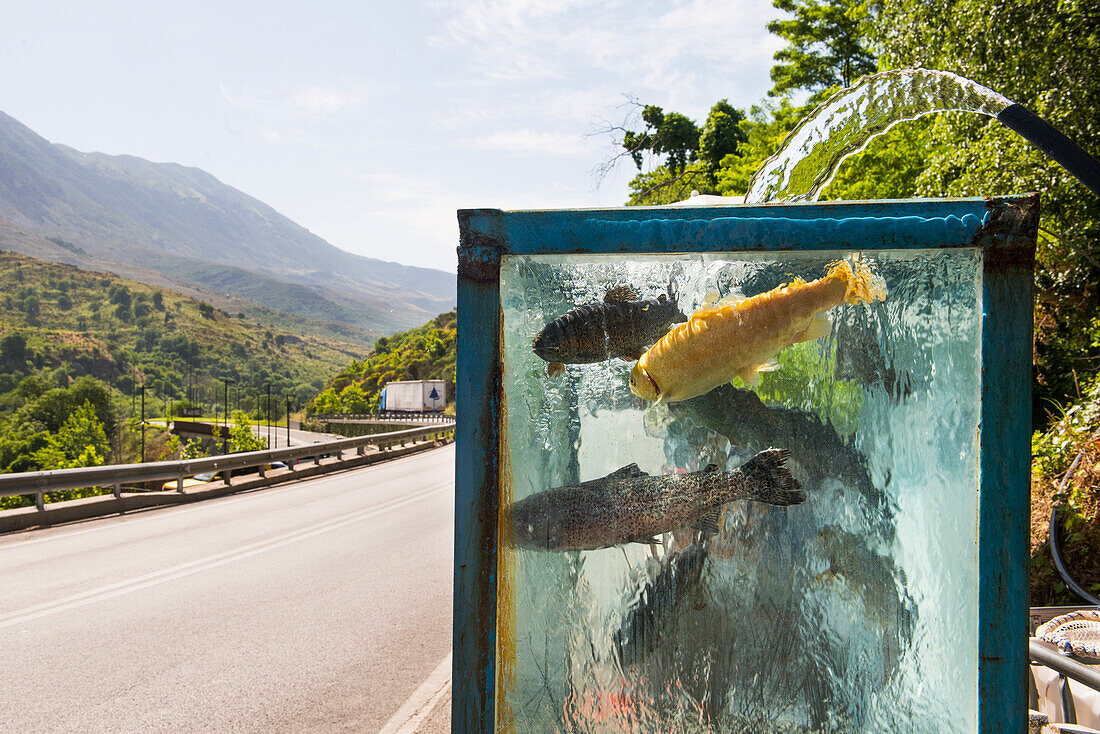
319,606
297,438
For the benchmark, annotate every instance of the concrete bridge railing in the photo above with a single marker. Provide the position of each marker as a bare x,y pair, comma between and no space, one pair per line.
40,483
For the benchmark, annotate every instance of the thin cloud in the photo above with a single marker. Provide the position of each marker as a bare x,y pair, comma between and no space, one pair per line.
321,101
307,101
533,142
512,40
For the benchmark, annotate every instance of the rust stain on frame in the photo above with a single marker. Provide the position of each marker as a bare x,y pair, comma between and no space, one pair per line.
506,575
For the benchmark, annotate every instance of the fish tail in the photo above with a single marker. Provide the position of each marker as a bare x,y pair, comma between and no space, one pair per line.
769,480
863,285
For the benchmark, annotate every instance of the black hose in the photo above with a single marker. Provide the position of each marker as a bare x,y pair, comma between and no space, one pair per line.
1046,137
1073,585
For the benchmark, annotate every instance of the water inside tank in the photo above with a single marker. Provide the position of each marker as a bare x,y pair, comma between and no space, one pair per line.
854,611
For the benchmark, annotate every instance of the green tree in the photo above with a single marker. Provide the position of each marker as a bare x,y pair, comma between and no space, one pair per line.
826,45
31,309
722,135
327,403
766,128
81,441
13,351
193,450
995,43
672,135
120,295
353,400
242,437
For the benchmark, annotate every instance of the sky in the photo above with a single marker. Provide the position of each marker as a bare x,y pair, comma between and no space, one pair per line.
371,123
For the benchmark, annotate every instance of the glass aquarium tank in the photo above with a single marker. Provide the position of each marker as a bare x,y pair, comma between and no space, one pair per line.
743,469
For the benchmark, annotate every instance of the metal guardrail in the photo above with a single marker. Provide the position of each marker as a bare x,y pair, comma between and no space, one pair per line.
392,415
40,483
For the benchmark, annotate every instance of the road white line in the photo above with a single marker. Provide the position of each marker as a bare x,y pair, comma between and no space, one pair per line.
422,702
202,564
131,519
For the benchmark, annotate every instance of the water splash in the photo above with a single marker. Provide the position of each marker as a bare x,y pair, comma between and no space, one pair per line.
847,121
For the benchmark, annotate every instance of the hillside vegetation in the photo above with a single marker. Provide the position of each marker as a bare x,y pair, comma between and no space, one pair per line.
424,353
78,347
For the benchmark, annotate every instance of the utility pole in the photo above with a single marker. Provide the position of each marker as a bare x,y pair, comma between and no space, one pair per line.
143,424
225,401
288,421
269,415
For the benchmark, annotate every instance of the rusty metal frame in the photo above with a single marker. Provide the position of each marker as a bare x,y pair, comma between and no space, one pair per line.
1003,228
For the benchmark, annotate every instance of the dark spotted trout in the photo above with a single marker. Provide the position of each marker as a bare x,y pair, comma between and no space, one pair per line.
621,326
630,506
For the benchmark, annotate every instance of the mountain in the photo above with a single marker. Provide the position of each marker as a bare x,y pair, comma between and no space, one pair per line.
171,225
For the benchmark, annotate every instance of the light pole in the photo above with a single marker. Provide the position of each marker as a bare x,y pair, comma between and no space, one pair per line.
143,424
225,430
288,421
269,415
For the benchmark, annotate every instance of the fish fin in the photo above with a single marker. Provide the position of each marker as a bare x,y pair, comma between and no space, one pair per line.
863,285
751,375
707,523
819,327
714,299
555,369
732,299
770,481
627,472
620,294
722,304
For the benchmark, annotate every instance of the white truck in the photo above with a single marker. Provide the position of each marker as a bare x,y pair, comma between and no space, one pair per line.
414,396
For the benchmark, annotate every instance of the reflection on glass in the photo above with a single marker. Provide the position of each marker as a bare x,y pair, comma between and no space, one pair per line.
851,611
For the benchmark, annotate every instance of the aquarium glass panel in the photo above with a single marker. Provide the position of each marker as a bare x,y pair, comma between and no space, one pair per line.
854,610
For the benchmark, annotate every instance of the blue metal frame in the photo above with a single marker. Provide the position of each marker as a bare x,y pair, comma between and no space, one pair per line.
1003,228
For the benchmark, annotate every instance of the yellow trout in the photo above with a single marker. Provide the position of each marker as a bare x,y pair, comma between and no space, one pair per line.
740,338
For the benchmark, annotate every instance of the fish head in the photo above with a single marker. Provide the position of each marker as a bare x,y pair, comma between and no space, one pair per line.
528,526
642,384
548,347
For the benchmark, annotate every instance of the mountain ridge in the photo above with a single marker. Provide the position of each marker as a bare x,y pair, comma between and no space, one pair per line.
94,209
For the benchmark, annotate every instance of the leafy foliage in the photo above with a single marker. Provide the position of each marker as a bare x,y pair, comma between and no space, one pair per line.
242,437
826,45
424,353
692,155
1066,476
998,44
127,334
74,374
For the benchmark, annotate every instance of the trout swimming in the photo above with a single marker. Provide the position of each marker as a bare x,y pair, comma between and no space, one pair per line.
630,506
621,326
740,338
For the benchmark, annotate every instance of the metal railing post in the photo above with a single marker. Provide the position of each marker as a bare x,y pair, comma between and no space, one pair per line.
40,501
118,491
